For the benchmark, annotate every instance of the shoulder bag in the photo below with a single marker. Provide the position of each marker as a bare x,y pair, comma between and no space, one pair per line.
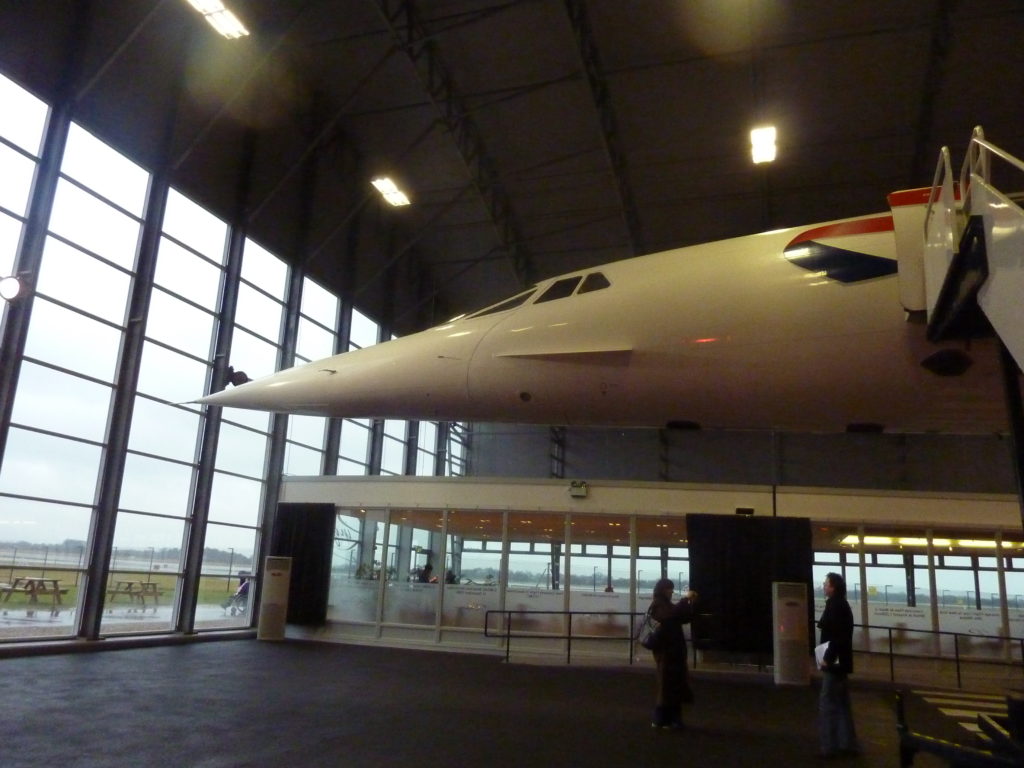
648,632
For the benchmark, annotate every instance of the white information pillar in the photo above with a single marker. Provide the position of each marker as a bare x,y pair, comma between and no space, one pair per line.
277,572
789,635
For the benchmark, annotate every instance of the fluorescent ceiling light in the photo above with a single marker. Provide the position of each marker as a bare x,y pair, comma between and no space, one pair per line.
390,191
762,144
220,18
914,541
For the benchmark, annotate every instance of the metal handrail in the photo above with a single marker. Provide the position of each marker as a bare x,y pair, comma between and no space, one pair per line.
940,181
936,632
567,635
977,159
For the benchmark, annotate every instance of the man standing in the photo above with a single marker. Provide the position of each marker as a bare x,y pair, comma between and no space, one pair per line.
835,718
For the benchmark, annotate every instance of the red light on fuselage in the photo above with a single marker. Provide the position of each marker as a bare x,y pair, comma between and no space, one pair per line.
704,341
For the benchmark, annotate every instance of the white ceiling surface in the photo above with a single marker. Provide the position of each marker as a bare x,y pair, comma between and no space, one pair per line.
863,95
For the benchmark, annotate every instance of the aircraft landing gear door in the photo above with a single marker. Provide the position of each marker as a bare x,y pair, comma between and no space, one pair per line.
790,644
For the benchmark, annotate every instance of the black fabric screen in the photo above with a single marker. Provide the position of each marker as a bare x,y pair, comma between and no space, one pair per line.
733,562
305,533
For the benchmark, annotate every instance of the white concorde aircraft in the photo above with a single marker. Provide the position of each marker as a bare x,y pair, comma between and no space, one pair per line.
796,329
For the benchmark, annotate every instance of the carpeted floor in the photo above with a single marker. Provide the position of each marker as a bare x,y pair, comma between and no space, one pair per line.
290,704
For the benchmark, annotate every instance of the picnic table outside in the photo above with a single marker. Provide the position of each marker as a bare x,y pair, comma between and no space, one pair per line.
135,591
34,587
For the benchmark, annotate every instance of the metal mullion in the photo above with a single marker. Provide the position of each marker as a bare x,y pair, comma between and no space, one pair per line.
274,465
332,436
383,579
49,432
185,299
442,582
20,150
29,258
210,431
376,447
412,441
105,200
178,406
567,576
112,467
83,504
83,250
185,246
503,562
20,218
79,311
240,425
67,371
144,513
319,325
264,291
158,457
441,437
261,337
238,475
240,526
182,352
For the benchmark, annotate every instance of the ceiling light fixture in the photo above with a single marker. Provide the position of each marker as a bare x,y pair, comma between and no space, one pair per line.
390,191
762,144
916,541
220,18
10,287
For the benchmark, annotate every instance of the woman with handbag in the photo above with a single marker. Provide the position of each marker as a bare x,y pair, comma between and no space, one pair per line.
670,653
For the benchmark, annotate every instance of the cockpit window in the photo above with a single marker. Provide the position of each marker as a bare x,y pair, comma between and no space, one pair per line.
595,281
559,289
501,306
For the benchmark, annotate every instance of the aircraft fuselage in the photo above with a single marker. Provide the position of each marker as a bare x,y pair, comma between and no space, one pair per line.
768,331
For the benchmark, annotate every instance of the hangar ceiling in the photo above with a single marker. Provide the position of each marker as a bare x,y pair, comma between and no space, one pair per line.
534,137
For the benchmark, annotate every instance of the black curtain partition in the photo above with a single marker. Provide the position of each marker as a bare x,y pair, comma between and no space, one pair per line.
305,533
733,562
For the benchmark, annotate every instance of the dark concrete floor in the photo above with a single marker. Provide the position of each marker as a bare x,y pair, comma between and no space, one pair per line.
251,703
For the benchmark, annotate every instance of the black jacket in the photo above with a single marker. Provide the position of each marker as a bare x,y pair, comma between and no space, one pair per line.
672,617
836,624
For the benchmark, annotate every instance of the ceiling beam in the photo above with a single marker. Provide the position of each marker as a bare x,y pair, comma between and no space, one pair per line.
591,60
411,37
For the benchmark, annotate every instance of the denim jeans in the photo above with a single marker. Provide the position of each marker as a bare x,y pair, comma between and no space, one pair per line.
835,718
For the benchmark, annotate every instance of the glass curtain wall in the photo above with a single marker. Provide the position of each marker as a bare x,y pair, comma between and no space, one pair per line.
53,463
590,565
64,392
472,568
415,573
395,443
661,553
458,445
356,566
896,586
232,533
22,121
599,575
318,316
354,449
426,448
537,573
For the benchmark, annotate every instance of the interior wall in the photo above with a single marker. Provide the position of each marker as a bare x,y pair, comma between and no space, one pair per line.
922,462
